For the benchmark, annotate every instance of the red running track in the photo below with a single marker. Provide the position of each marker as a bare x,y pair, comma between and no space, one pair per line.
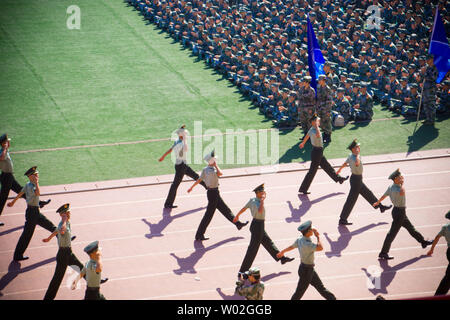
150,253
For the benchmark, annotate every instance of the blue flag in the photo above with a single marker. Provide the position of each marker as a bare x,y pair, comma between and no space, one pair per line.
439,47
315,57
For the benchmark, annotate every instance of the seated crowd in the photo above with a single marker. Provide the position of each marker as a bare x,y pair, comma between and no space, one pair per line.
261,46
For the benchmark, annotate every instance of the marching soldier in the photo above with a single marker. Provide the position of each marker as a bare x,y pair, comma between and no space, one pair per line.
210,175
444,285
306,272
92,272
357,185
181,167
65,256
306,101
317,157
254,290
32,215
7,179
429,92
397,194
324,100
258,234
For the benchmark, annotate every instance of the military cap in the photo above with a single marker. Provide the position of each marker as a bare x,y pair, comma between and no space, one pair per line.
307,78
447,215
31,171
259,188
210,156
181,130
91,247
395,174
353,144
322,77
340,89
253,271
64,208
4,137
413,85
314,117
305,226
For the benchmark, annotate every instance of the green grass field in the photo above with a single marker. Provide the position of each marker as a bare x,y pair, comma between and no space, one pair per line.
118,79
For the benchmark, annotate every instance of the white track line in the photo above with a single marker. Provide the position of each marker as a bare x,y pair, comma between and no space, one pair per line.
227,192
226,227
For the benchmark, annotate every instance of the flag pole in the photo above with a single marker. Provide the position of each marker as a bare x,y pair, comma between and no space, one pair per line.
420,105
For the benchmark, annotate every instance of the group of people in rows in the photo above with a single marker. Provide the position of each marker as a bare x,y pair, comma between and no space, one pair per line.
261,46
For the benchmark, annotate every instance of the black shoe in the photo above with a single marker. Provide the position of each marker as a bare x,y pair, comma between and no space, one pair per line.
304,192
202,238
426,243
1,224
240,225
384,208
384,256
342,179
170,207
21,258
73,238
103,280
286,259
44,203
345,223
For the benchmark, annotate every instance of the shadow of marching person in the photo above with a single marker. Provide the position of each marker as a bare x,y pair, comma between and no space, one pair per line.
14,270
235,296
187,264
157,228
305,205
420,138
344,238
10,230
379,279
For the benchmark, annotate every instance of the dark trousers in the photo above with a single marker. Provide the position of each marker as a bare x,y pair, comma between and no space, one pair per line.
400,220
258,237
444,286
64,258
317,159
8,183
93,294
214,202
357,187
307,275
33,217
180,170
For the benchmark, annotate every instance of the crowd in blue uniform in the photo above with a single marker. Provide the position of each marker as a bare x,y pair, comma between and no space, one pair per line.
261,46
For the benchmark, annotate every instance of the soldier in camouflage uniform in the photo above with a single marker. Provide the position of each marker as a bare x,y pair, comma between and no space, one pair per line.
324,100
364,104
429,92
342,106
306,103
254,290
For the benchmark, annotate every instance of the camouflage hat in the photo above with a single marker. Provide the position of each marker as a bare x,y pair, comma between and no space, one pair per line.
447,215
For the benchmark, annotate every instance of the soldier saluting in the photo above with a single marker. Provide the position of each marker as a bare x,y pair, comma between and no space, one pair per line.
357,186
258,234
210,175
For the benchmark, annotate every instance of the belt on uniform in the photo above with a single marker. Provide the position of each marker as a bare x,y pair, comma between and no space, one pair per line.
399,207
212,188
92,288
33,207
307,265
314,147
65,248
